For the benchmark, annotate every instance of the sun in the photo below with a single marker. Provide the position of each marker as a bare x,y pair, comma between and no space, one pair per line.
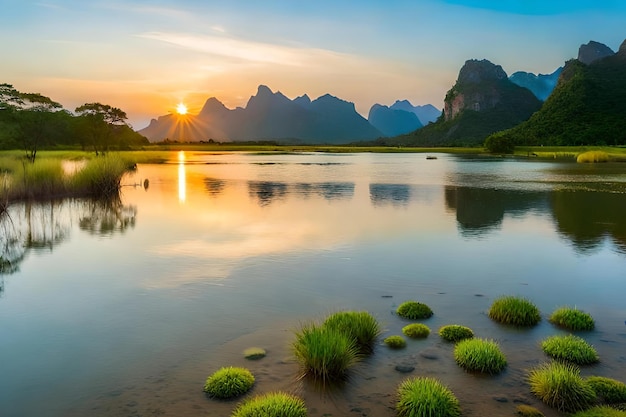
181,109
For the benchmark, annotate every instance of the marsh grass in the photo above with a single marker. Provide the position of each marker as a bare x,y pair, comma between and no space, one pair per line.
479,355
229,382
416,330
528,411
592,157
559,385
514,311
361,326
324,353
414,310
608,390
600,411
426,397
455,333
570,348
572,319
273,404
101,176
395,342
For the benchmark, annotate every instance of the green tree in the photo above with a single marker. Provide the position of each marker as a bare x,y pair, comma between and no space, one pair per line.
101,124
36,121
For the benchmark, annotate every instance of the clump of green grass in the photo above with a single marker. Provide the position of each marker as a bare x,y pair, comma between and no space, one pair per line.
515,311
359,325
101,176
414,310
560,386
229,382
42,179
416,330
528,411
426,397
608,390
455,332
273,404
600,411
479,355
324,353
570,348
395,342
572,319
254,353
592,156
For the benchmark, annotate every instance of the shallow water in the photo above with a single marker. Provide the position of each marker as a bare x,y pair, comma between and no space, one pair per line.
125,308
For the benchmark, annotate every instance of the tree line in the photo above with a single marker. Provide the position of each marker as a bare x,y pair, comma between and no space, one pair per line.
32,121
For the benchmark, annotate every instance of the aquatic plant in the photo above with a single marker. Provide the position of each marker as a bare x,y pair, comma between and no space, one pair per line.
414,310
570,348
572,319
254,353
559,385
101,176
592,156
395,342
42,179
600,411
528,411
455,332
416,330
273,404
515,311
324,352
426,397
479,355
359,325
608,390
229,382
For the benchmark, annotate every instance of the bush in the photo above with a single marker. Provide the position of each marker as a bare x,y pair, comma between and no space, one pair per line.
455,332
560,386
515,311
592,156
600,411
570,348
395,342
416,330
499,143
324,352
274,404
359,325
528,411
608,390
414,310
572,319
426,397
479,355
229,382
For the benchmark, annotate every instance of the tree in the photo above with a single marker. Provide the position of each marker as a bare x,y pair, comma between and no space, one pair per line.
35,121
101,123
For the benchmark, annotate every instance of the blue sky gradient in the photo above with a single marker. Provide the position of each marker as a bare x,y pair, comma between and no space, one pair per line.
147,56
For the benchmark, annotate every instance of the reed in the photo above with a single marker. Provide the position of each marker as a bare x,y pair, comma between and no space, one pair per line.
361,326
100,177
592,157
273,404
229,382
426,397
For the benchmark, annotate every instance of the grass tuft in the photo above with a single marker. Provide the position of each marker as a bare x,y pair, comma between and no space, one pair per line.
229,382
592,156
273,404
361,326
572,319
254,353
395,342
426,397
101,176
414,310
455,332
570,348
600,411
416,330
528,411
515,311
479,355
608,390
560,386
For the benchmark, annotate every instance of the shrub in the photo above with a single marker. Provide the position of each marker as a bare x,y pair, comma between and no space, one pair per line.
608,390
395,342
499,143
560,386
592,156
455,332
324,352
414,310
479,355
515,311
274,404
426,397
570,348
572,319
229,382
600,411
359,325
528,411
416,330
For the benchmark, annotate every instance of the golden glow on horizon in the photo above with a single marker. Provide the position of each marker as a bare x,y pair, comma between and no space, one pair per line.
182,178
181,109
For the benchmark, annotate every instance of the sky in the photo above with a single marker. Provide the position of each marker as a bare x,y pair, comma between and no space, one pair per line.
146,57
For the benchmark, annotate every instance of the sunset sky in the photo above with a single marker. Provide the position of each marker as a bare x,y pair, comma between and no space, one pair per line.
147,56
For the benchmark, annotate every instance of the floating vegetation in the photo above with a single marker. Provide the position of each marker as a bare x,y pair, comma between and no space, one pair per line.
254,353
570,348
273,404
572,319
560,386
416,330
426,397
455,333
479,355
414,310
395,342
515,311
229,382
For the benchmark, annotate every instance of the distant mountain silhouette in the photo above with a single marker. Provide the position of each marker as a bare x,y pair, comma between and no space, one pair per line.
393,122
541,85
592,51
268,116
426,113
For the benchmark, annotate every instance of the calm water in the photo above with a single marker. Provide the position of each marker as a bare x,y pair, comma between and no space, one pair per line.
124,308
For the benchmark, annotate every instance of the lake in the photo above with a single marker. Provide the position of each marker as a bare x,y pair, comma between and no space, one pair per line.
124,308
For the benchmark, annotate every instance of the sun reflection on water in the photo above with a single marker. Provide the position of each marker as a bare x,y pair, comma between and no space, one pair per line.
182,178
